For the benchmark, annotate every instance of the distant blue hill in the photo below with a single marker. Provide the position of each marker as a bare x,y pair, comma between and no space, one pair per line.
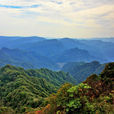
38,52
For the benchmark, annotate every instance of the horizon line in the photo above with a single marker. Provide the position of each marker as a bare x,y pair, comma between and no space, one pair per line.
56,37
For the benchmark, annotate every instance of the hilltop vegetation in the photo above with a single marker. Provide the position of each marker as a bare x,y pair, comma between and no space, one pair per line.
94,96
28,91
25,89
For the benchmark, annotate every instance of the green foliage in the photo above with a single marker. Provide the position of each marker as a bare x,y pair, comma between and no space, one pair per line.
28,90
73,105
75,95
6,110
93,96
76,89
22,89
69,98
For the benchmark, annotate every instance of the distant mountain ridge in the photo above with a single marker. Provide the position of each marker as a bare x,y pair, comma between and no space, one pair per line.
25,59
74,54
41,52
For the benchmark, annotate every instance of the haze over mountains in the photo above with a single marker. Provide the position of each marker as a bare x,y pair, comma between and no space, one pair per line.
38,52
67,67
28,89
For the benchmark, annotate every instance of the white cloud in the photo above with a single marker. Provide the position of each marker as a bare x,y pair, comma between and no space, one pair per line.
57,18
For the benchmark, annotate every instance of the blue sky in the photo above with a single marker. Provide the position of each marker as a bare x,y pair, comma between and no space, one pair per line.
57,18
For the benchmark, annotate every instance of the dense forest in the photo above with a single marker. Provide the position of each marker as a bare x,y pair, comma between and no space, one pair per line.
21,90
94,96
35,91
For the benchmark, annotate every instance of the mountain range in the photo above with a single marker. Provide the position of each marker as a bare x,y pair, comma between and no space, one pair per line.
38,52
49,76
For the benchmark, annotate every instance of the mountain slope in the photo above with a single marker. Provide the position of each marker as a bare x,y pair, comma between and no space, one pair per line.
47,48
94,96
25,59
21,88
81,70
74,54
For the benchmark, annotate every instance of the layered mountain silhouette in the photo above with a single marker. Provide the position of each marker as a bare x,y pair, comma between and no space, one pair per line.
38,52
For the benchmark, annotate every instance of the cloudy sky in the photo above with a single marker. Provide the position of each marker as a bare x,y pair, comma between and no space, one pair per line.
57,18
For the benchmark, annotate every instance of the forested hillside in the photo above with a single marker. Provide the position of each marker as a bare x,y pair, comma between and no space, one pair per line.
28,91
94,96
81,70
21,90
